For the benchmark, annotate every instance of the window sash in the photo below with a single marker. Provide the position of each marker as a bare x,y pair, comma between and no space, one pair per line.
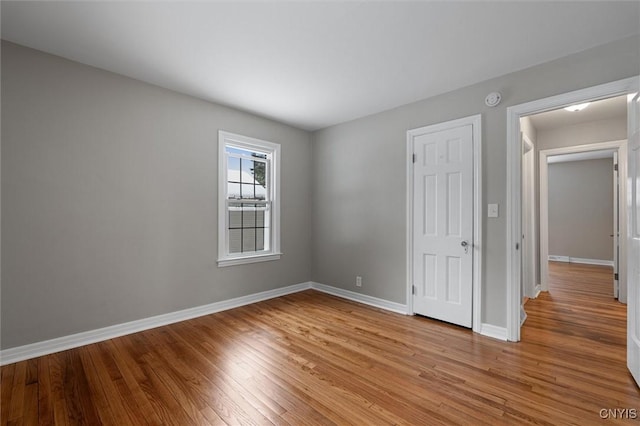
267,173
266,225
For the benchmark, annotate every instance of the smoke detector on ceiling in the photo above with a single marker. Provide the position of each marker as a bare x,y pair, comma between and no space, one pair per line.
492,99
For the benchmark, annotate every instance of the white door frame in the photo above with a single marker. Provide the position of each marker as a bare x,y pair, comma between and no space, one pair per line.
531,240
514,177
475,121
621,148
617,197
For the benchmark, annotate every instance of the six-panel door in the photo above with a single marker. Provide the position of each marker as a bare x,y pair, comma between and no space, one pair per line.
443,225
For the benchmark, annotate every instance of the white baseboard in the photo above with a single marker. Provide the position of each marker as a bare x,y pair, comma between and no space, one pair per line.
20,353
536,292
581,260
555,258
362,298
591,261
493,331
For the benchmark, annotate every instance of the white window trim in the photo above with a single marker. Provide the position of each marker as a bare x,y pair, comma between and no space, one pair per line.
273,149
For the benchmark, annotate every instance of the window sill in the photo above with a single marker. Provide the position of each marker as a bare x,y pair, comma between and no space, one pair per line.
232,261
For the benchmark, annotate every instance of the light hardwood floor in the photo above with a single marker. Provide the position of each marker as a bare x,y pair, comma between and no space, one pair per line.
310,358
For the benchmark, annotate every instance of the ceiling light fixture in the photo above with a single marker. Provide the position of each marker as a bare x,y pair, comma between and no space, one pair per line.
577,107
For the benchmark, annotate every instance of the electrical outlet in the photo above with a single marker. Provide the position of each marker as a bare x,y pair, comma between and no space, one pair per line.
358,281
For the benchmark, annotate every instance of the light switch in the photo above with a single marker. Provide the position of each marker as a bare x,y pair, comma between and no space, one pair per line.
492,210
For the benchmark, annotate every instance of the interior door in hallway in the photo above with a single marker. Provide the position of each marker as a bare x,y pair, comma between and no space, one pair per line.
443,225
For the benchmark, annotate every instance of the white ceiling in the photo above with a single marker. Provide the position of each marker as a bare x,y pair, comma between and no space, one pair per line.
600,110
314,64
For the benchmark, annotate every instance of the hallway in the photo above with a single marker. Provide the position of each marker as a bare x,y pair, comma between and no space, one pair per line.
577,332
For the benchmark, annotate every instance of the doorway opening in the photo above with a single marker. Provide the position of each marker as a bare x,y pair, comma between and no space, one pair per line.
581,218
571,192
515,114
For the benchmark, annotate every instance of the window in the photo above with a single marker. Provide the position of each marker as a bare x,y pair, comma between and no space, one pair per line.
248,200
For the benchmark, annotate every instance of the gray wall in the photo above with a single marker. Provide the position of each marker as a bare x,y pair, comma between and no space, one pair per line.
109,209
581,209
612,129
109,192
560,137
597,131
359,183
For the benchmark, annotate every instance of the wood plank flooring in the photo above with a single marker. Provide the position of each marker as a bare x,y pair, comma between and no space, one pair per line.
314,359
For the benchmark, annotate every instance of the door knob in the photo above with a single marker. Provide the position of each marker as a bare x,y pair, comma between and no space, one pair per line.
465,244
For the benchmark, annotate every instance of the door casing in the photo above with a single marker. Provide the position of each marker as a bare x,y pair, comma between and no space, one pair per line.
475,121
621,148
531,285
514,177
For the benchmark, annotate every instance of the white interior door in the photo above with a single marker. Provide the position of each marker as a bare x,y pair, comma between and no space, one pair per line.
633,247
443,225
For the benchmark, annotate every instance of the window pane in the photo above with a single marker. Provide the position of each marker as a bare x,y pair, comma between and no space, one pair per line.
233,150
247,170
235,240
260,238
260,217
233,190
247,191
235,217
249,239
233,169
257,169
249,216
260,178
260,192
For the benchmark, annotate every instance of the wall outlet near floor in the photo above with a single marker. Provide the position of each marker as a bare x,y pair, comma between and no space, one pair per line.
358,281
